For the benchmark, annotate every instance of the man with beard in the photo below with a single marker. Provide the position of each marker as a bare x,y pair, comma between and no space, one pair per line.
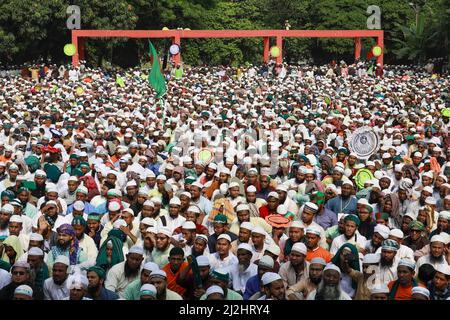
67,245
290,205
244,270
363,279
437,255
158,278
265,188
55,288
345,202
200,246
329,288
401,289
415,206
243,214
160,253
195,287
132,290
273,200
223,258
307,214
375,197
39,270
20,275
350,235
96,289
77,284
123,273
253,286
94,228
85,242
175,266
297,267
304,287
416,240
443,223
294,183
185,239
198,199
245,233
273,287
388,262
28,208
173,220
403,251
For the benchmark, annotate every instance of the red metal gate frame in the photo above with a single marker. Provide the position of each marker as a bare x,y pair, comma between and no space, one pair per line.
79,36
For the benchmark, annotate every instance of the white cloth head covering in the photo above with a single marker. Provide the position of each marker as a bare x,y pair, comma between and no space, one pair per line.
214,289
299,247
332,266
270,277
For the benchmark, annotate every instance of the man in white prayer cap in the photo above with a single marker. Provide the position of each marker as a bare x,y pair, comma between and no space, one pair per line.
329,288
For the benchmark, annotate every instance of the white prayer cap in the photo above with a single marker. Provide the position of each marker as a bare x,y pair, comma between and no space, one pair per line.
420,290
113,206
148,289
62,259
189,225
397,233
214,289
119,223
407,263
444,215
7,208
77,281
266,261
428,189
233,185
149,203
202,261
150,266
161,177
386,155
270,277
398,167
175,201
318,260
131,183
82,189
417,154
148,221
251,188
245,246
51,203
197,184
445,269
137,250
274,249
242,207
332,266
428,174
114,192
296,224
282,187
379,288
382,230
194,209
78,205
36,237
159,274
40,173
224,236
152,230
246,225
371,258
165,231
299,247
313,230
430,200
437,238
24,289
273,194
202,237
16,218
34,251
186,194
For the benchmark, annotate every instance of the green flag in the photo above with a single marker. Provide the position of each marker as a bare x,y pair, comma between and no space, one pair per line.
120,82
156,78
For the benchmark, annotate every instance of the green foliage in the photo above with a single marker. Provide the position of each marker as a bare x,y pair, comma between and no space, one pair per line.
31,29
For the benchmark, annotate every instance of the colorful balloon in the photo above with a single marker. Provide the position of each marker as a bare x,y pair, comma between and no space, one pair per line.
174,49
275,51
446,112
377,51
70,49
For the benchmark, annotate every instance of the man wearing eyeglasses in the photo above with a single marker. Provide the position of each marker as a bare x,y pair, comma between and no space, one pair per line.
20,275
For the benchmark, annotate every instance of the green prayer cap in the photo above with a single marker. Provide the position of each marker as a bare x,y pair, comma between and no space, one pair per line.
216,274
382,215
416,225
409,138
94,216
79,221
84,164
190,180
352,217
73,156
9,194
99,271
318,197
220,218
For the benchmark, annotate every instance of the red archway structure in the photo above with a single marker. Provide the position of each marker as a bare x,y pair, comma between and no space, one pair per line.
79,36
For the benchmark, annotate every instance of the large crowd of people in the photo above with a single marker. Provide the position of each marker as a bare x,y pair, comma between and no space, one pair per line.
238,184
